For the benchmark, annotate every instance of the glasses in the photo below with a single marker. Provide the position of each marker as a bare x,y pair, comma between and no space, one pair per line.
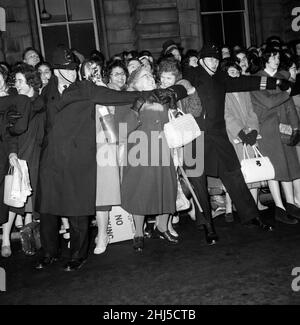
118,74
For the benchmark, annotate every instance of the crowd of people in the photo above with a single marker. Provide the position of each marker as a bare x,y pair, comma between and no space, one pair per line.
64,118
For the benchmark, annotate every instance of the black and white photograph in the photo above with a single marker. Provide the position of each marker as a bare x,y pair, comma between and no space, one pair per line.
149,156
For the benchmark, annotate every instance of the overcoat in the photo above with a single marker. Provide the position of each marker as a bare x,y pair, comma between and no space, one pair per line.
273,107
149,185
219,154
67,178
9,143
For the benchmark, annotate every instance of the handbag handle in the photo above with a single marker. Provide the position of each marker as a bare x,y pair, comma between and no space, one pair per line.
171,114
257,152
245,152
10,170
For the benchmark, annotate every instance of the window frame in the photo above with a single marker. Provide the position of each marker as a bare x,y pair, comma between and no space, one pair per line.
245,11
66,23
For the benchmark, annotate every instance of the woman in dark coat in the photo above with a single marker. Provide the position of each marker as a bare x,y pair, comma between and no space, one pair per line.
8,149
30,132
147,188
272,108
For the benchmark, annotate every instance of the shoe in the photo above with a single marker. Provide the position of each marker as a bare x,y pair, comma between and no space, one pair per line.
173,232
45,262
210,234
258,223
292,210
102,246
138,244
229,217
165,235
282,216
5,251
148,231
74,265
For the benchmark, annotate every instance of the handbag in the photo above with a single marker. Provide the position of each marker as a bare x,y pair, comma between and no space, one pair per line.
8,198
285,131
256,169
30,238
182,203
181,130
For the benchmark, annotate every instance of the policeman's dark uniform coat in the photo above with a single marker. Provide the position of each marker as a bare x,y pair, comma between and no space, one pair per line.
67,183
220,159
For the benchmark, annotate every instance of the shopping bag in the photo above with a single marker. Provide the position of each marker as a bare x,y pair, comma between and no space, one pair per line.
9,199
256,169
182,203
30,238
181,130
120,226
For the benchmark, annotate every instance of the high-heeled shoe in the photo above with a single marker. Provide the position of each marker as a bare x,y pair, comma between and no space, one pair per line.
101,248
138,244
165,235
5,251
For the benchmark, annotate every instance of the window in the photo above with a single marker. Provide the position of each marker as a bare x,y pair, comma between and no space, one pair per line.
69,22
225,22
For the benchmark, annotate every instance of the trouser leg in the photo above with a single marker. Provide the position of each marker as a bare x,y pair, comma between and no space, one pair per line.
79,239
200,188
49,233
240,194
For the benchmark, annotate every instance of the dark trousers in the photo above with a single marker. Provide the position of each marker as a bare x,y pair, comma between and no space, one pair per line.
200,188
236,188
240,195
49,232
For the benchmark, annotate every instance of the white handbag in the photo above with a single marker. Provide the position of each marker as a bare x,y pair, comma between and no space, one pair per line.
256,169
181,130
9,199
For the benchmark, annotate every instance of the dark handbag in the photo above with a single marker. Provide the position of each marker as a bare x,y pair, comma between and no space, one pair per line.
30,238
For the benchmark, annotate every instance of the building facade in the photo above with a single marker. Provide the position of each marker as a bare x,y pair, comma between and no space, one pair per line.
116,25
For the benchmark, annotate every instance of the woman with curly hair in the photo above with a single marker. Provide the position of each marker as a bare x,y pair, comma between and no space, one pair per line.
27,82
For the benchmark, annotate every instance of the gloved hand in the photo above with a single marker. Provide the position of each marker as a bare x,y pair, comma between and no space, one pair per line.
252,136
12,117
243,136
138,104
295,138
283,84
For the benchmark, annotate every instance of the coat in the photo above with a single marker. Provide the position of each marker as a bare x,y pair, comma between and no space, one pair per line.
239,115
273,107
29,143
9,143
219,154
149,185
67,178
